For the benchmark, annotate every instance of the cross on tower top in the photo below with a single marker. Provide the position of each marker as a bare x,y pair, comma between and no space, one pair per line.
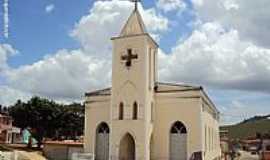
136,3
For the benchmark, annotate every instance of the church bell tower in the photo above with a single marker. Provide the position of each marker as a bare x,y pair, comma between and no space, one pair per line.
134,73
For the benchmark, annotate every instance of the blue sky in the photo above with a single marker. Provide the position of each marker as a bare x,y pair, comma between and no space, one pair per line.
58,49
36,33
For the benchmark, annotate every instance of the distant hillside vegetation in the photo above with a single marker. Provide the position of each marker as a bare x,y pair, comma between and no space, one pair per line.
249,127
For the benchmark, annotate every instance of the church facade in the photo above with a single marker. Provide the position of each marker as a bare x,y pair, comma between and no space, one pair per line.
139,118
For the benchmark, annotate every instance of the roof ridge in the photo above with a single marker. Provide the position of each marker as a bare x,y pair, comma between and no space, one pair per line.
98,91
141,22
177,84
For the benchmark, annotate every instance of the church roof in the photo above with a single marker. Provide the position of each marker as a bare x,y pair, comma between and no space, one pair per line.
103,92
134,25
159,88
173,87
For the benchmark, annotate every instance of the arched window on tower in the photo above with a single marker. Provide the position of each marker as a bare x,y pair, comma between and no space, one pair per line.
135,111
121,111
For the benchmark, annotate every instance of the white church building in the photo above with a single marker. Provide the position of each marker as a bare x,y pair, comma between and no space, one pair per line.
139,118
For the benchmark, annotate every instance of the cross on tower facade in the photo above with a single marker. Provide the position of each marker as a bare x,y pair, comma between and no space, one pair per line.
129,57
136,3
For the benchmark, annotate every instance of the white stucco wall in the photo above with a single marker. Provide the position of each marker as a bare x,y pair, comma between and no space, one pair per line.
170,108
97,110
210,123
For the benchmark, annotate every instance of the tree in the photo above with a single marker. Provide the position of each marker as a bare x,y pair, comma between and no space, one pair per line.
48,119
73,120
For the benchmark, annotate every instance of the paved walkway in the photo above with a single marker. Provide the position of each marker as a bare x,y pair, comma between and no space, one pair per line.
21,155
19,152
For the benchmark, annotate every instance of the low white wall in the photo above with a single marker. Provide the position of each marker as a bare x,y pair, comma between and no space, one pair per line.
61,151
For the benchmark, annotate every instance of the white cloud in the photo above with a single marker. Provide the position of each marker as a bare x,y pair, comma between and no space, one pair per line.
197,3
68,74
250,18
6,18
237,111
49,8
6,50
106,19
171,5
230,4
237,105
9,95
217,57
213,55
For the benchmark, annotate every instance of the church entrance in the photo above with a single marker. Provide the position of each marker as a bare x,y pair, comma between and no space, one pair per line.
102,142
127,148
178,142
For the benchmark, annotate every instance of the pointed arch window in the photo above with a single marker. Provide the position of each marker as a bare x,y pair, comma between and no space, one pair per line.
178,128
121,111
178,141
135,111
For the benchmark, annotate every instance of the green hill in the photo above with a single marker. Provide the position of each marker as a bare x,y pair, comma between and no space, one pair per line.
248,128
